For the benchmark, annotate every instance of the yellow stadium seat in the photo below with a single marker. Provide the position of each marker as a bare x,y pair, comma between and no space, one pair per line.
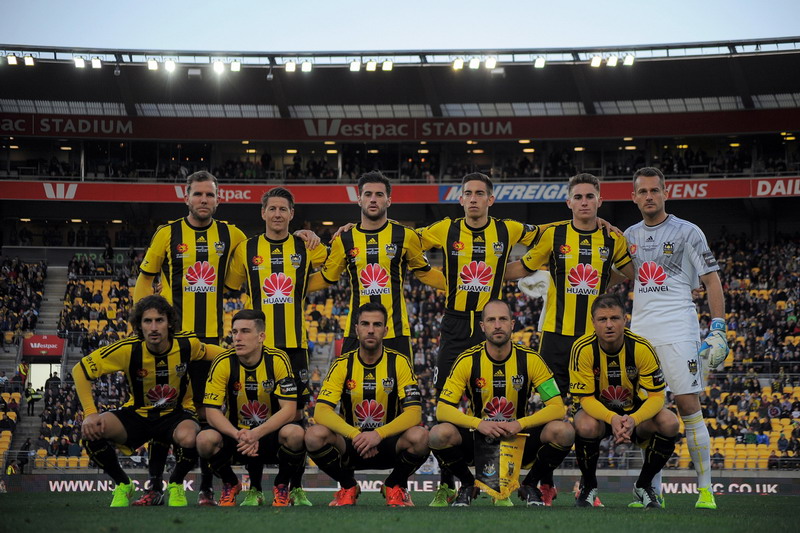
73,462
12,415
83,461
16,396
61,462
6,396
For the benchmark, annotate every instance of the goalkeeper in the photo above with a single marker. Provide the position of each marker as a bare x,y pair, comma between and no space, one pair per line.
670,255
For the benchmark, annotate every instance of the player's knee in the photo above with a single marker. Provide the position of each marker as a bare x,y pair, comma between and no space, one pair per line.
316,437
185,435
292,436
587,427
417,439
443,435
561,433
208,443
667,423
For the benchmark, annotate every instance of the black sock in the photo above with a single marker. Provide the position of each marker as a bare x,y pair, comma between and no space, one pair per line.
156,461
446,476
656,455
453,459
220,464
185,460
548,457
587,452
407,463
289,463
104,455
329,460
255,469
207,475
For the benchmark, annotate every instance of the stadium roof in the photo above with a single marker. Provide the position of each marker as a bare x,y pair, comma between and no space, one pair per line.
678,77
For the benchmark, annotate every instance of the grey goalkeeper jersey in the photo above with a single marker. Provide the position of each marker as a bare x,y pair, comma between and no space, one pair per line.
669,259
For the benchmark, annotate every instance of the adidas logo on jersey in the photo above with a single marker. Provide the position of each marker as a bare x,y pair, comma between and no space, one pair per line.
499,372
585,242
161,362
372,241
202,238
478,239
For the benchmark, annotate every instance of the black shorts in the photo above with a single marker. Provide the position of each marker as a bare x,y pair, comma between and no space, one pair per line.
267,450
555,350
532,444
459,333
398,344
198,374
141,429
298,357
385,459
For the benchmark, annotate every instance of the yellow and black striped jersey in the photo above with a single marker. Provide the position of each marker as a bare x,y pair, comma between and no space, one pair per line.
498,390
158,383
617,380
475,258
371,395
580,267
250,394
377,262
276,275
192,262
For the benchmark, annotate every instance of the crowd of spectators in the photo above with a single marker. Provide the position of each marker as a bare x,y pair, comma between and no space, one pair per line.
21,289
86,234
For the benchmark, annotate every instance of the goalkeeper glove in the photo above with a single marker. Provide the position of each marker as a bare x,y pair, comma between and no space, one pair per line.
715,348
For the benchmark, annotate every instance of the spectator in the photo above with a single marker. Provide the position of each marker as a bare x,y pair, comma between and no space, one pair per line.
6,424
783,443
717,460
773,463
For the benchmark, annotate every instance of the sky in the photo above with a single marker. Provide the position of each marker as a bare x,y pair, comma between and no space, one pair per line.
352,25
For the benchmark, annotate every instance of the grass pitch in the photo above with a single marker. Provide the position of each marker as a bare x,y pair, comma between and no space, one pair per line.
89,512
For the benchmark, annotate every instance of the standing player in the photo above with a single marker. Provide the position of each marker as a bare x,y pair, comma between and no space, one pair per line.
275,268
617,378
255,385
580,257
669,255
160,406
191,254
379,425
498,377
376,254
476,249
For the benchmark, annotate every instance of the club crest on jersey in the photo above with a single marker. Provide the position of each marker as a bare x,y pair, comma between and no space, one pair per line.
201,277
499,248
692,364
268,385
374,280
632,372
480,383
475,277
180,370
353,252
295,259
604,253
458,247
303,375
388,385
669,248
236,387
219,246
391,250
257,260
182,248
350,384
517,381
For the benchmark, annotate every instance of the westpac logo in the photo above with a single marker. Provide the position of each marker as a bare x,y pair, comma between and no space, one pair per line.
60,191
332,128
519,192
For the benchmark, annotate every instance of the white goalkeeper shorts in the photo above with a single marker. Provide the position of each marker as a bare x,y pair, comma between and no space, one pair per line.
683,369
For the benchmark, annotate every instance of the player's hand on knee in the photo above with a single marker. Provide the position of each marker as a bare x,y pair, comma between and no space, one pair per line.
93,427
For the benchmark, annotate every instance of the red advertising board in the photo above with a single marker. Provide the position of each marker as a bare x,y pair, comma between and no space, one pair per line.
43,349
400,129
695,189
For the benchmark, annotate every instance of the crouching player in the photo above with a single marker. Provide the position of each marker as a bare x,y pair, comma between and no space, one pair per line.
380,415
155,363
256,386
498,377
617,378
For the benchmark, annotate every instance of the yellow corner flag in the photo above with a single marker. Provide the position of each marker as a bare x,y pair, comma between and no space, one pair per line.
497,464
